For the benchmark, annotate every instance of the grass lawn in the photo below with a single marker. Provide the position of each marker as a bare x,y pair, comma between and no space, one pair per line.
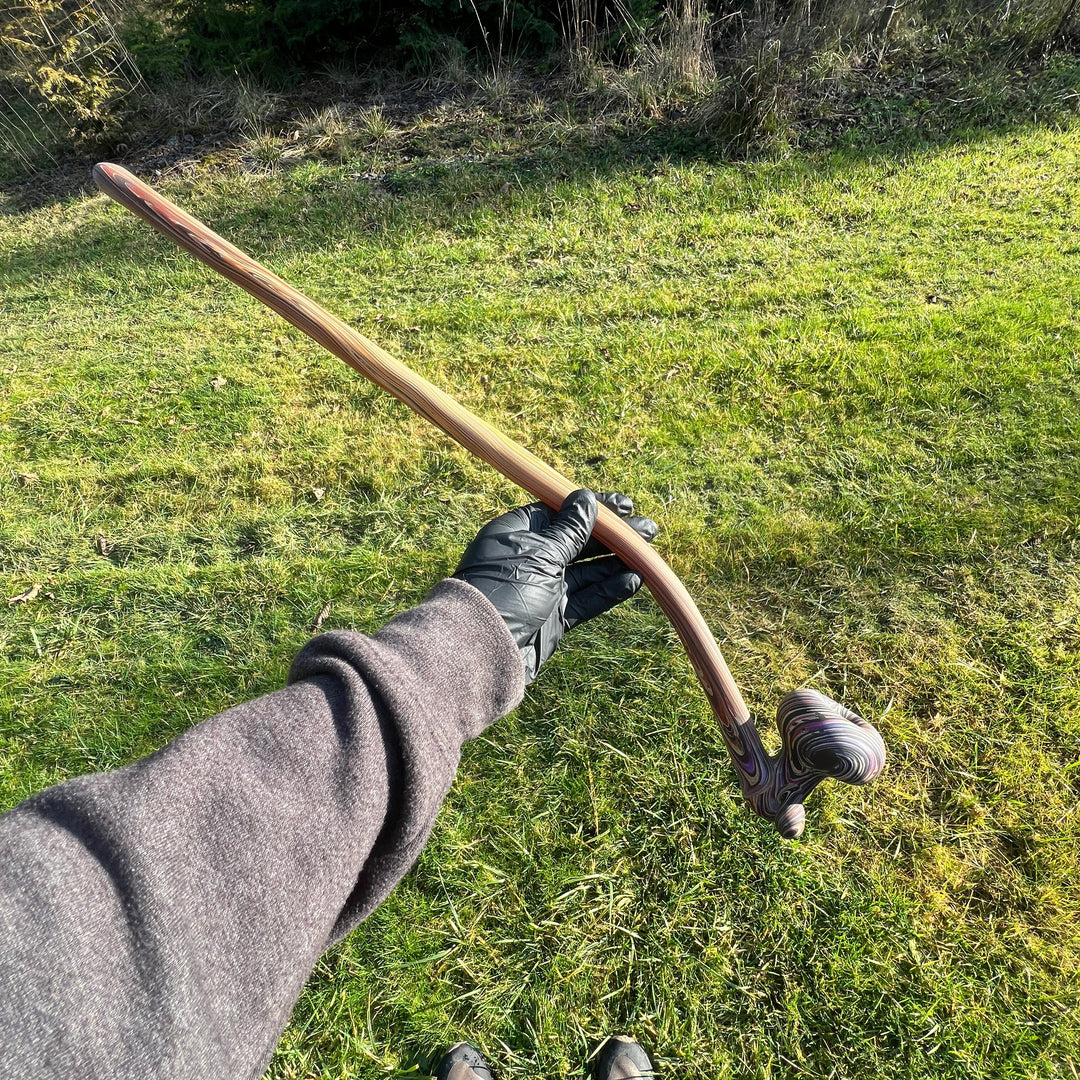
848,388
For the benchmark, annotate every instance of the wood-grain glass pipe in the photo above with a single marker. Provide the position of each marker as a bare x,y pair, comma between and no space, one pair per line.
820,738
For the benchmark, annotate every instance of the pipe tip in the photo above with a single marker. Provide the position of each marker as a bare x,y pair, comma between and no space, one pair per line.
791,821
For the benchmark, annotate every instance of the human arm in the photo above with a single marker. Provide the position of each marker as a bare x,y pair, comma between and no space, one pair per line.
160,920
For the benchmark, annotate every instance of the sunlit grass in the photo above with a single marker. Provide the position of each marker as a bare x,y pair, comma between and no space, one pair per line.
847,388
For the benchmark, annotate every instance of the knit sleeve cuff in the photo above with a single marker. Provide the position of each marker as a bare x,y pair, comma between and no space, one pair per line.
458,637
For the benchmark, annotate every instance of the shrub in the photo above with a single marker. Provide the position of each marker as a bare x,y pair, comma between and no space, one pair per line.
65,74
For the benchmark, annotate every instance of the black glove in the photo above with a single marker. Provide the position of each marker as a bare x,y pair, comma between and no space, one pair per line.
544,574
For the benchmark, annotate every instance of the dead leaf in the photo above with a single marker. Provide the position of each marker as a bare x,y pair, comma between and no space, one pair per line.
28,478
321,616
25,597
104,546
218,381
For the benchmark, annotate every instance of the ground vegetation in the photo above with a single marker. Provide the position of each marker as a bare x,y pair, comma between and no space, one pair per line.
834,353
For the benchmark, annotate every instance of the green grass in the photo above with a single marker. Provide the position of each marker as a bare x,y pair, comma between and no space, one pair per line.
848,388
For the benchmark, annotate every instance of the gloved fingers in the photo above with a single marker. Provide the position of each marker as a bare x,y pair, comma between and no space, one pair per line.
583,574
536,517
608,584
570,528
623,506
645,527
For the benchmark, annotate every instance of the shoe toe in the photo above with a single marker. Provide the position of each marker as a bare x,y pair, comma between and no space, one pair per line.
463,1062
622,1058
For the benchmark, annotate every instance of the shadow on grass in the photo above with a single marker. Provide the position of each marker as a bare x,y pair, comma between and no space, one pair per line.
462,174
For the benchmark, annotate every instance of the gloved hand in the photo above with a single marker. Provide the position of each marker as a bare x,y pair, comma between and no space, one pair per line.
544,574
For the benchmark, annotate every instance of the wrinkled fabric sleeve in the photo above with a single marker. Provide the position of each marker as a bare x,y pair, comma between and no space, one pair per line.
160,920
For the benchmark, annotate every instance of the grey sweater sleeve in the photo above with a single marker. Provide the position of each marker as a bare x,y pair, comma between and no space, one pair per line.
159,921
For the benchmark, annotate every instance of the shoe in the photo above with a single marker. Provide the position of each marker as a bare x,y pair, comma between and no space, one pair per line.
621,1058
463,1062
